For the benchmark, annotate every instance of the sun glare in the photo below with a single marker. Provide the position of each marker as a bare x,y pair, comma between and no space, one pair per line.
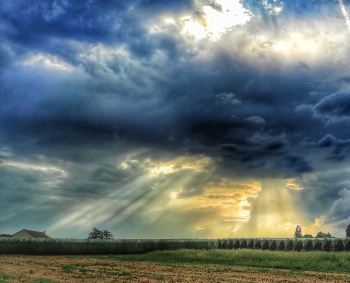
232,14
173,195
194,29
162,170
216,20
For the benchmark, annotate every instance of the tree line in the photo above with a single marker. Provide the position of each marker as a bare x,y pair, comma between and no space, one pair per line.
298,233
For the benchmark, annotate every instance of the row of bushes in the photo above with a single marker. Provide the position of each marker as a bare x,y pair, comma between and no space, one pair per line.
286,244
32,246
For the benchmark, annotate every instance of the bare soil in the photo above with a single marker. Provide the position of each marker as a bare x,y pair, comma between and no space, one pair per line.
88,269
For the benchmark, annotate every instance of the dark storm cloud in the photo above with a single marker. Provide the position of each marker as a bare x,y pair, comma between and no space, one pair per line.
92,21
165,5
328,195
65,28
27,189
230,112
295,163
338,146
125,87
335,106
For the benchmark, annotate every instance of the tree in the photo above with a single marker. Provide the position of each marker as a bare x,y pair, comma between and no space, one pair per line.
339,246
297,233
307,236
298,246
323,235
281,246
98,234
308,246
348,231
5,235
107,235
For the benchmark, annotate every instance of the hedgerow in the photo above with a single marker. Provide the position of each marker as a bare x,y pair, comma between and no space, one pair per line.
33,246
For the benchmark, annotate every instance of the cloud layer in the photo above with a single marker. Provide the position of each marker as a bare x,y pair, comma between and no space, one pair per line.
134,114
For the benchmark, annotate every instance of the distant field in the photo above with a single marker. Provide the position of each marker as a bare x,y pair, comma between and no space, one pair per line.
180,266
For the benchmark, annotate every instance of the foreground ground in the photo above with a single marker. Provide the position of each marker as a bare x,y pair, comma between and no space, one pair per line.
50,269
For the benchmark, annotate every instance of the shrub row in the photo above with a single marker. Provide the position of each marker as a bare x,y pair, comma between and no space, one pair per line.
286,244
32,246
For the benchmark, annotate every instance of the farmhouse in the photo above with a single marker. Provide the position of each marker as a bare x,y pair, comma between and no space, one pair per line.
30,234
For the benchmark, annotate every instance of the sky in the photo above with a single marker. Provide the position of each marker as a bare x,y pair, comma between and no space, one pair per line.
175,118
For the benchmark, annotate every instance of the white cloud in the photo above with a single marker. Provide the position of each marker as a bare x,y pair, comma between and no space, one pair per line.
273,8
47,61
216,19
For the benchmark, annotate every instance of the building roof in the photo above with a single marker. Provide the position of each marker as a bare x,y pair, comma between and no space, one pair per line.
35,234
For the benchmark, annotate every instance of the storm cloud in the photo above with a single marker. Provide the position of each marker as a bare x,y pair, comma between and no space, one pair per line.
141,108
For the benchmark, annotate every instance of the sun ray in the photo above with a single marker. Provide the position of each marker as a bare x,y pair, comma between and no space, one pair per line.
345,13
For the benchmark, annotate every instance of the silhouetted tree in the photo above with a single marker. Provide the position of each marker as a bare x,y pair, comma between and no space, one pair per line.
236,244
107,235
307,236
281,246
323,235
297,233
339,246
348,231
273,246
265,245
308,246
318,246
347,247
98,234
244,244
250,244
257,245
290,246
5,235
298,246
327,246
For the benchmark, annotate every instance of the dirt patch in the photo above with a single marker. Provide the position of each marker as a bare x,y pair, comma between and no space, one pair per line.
88,269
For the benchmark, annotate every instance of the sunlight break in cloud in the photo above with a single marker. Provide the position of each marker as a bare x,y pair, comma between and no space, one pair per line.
291,184
217,21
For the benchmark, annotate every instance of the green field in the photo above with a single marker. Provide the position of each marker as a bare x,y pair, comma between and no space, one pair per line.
183,265
303,261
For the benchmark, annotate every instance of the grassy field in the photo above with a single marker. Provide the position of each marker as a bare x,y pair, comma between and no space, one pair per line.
300,261
180,266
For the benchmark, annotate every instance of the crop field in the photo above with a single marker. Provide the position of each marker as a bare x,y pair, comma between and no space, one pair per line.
174,260
184,265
